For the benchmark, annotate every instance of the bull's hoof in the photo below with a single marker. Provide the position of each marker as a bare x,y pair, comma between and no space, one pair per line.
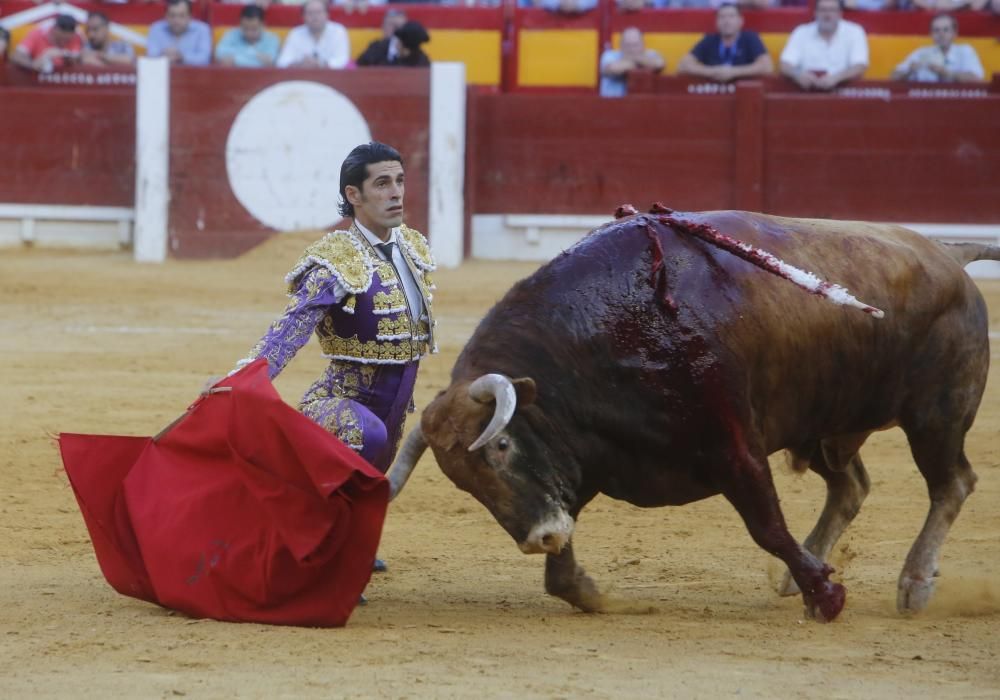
583,595
826,602
913,593
787,586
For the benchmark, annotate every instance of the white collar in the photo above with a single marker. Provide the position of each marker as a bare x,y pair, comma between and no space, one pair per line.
375,240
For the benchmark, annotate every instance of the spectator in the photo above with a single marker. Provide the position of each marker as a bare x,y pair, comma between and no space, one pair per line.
616,64
952,5
823,54
100,49
410,37
730,53
695,4
381,52
183,40
945,61
569,7
249,45
49,47
317,42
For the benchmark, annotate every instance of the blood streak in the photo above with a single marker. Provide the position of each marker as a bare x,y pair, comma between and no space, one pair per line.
756,256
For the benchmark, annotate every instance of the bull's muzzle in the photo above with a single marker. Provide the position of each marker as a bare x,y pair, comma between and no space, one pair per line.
549,536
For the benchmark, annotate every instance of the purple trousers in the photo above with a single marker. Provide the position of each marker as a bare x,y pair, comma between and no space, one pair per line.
364,405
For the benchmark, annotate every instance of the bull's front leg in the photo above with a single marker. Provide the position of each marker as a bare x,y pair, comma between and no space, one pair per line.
565,579
749,487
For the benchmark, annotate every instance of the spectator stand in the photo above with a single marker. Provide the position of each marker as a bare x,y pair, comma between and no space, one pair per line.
892,35
129,22
469,35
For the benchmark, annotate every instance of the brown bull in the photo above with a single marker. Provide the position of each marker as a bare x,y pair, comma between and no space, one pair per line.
658,363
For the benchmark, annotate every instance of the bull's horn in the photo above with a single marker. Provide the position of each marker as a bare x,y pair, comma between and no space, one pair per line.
406,459
490,387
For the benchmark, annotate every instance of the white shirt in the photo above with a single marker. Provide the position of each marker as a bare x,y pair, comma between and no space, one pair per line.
807,50
960,58
332,50
410,288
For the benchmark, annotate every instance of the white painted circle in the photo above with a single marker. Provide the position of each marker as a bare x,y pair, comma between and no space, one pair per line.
284,152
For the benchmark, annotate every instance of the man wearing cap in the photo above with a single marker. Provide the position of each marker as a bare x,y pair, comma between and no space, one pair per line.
382,51
403,49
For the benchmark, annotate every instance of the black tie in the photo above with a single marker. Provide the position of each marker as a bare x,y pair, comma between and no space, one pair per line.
386,249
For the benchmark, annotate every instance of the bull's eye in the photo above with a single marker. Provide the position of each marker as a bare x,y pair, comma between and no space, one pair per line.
503,443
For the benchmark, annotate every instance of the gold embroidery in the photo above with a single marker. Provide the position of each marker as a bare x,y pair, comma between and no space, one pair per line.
395,351
394,326
354,379
350,303
340,252
389,301
387,273
418,248
349,427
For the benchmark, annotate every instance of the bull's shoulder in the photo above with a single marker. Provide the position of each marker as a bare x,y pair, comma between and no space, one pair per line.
344,254
417,248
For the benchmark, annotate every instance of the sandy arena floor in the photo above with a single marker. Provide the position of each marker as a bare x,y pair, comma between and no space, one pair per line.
95,343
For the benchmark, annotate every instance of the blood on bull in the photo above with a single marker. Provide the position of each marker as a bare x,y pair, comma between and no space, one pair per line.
665,356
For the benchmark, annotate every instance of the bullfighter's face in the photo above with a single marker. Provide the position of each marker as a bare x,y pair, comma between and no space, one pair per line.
511,474
378,203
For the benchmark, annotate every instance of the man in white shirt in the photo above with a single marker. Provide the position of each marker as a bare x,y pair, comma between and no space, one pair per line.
318,42
945,61
823,54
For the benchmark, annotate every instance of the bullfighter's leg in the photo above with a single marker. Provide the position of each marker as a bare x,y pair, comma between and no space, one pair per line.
846,489
745,480
565,579
950,480
353,423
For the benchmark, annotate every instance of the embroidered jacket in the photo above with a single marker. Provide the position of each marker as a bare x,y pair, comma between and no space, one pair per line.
354,302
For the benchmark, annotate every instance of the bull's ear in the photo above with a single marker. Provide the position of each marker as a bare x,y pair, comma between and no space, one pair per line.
526,391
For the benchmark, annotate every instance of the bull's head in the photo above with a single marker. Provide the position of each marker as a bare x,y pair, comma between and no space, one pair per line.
504,465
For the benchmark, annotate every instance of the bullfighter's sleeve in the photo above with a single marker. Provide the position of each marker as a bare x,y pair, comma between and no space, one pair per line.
316,290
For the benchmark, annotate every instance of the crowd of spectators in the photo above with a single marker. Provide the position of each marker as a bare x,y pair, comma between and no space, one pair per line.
818,55
317,43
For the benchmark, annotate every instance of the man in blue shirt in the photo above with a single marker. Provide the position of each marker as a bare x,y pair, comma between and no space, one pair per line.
729,54
183,40
248,45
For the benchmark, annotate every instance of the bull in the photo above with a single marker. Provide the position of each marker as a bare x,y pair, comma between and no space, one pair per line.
657,362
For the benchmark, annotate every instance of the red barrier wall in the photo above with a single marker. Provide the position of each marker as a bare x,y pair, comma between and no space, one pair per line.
67,146
206,220
890,157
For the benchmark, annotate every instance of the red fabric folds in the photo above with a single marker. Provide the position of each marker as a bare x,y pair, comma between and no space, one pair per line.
245,510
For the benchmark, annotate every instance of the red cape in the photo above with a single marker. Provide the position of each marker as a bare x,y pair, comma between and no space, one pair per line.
245,510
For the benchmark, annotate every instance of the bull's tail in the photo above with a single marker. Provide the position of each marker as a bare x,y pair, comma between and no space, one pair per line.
965,253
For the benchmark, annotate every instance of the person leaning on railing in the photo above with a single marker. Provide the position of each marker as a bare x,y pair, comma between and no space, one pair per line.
821,55
730,53
47,48
944,61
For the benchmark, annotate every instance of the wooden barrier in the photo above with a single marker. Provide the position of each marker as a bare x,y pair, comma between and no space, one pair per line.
205,218
879,154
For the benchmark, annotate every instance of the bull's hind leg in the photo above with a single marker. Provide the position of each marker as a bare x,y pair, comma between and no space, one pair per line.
950,479
746,482
565,579
847,485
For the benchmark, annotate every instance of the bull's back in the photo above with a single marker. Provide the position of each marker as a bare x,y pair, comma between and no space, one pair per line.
797,363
